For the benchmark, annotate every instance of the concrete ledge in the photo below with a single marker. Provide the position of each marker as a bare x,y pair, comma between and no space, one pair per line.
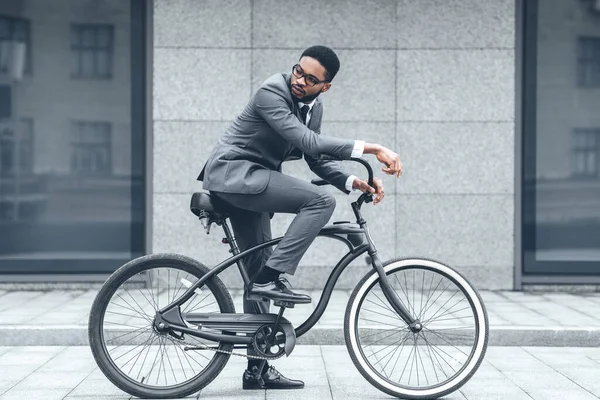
76,335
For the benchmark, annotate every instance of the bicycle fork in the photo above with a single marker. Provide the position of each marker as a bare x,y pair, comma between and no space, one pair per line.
390,294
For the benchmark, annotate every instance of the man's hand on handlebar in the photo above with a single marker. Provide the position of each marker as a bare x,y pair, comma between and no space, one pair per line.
391,161
393,166
364,187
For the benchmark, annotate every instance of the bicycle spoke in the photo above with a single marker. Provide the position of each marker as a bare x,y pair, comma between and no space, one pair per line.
188,306
151,289
136,336
424,371
388,346
187,356
382,302
429,296
391,358
126,315
438,350
147,353
405,365
437,356
431,358
140,290
131,332
150,339
406,293
380,331
448,319
180,363
382,323
387,336
428,323
434,301
441,337
375,312
434,315
133,308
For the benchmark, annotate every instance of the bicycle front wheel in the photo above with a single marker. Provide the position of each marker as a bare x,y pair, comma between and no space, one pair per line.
427,364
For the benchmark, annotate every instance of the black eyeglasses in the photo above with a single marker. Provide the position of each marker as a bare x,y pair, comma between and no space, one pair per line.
310,80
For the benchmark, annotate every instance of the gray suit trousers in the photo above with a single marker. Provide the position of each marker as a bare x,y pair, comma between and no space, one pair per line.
251,225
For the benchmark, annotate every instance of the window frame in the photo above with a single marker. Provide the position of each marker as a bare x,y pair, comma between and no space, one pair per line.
79,48
585,62
12,20
529,270
80,145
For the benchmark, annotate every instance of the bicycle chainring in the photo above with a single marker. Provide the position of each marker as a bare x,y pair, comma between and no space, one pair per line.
263,348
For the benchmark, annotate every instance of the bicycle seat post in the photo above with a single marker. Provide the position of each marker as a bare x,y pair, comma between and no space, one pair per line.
235,250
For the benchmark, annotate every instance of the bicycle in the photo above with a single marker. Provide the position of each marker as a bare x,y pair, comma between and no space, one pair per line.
177,322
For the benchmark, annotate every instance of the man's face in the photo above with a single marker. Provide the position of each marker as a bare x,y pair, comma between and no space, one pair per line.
314,71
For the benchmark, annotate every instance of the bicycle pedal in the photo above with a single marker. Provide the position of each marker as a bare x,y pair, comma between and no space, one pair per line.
285,304
254,297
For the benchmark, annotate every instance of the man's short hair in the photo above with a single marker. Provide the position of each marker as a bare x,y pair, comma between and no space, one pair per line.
326,57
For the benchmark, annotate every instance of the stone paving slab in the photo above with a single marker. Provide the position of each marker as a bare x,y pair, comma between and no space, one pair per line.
539,373
60,317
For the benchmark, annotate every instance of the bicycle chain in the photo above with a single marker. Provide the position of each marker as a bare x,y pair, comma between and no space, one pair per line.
232,353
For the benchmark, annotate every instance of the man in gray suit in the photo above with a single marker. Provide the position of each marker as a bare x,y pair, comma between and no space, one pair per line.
282,121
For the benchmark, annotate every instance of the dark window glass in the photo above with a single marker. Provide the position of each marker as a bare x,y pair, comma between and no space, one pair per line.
72,167
561,138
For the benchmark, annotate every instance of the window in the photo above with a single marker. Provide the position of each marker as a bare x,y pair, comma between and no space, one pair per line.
16,148
14,30
588,62
92,48
560,189
586,153
91,152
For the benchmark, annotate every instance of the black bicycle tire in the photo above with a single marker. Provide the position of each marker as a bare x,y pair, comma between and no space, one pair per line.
129,269
367,375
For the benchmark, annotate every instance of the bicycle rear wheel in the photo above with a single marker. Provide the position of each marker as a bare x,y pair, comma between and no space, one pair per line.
134,355
417,365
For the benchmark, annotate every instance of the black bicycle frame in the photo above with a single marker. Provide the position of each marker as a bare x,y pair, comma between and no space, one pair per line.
335,231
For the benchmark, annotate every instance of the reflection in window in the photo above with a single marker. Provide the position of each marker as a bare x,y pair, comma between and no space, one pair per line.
91,148
14,30
16,148
19,189
588,62
586,153
92,48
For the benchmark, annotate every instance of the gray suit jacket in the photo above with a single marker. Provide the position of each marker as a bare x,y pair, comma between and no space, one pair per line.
267,132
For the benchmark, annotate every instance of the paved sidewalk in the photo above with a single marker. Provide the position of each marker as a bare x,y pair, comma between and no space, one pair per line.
59,317
516,373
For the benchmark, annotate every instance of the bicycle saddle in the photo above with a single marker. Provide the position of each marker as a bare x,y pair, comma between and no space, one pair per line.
216,208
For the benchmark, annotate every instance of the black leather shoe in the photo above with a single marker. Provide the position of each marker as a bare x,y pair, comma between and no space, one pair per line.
272,379
276,290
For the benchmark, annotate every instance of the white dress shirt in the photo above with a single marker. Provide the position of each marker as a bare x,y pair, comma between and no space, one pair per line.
359,145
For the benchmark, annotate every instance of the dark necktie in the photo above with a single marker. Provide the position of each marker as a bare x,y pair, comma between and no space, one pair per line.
304,111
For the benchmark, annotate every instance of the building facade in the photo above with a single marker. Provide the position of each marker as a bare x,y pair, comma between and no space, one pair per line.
110,108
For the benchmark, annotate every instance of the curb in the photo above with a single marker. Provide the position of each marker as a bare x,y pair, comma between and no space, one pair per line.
76,335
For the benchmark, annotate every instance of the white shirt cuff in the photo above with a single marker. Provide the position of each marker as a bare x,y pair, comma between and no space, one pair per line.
359,148
349,183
